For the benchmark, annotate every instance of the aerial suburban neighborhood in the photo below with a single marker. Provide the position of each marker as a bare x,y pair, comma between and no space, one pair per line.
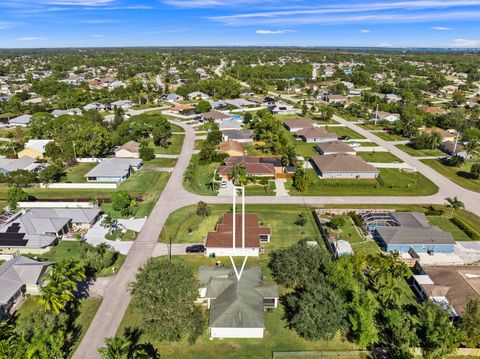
238,202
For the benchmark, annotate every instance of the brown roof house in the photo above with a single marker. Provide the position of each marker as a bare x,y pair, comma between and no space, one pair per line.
232,148
316,135
450,148
433,110
446,136
343,166
131,149
255,166
215,116
298,124
220,243
334,147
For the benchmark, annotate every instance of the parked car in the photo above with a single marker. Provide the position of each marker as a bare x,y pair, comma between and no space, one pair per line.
344,138
196,248
223,184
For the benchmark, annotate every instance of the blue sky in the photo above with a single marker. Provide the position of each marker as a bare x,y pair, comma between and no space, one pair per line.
398,23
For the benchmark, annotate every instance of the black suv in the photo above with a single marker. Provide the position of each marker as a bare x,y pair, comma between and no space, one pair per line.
196,248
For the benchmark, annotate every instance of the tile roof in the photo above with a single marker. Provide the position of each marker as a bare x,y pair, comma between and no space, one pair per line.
298,123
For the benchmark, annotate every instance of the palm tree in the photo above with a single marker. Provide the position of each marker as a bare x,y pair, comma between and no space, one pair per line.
115,348
435,139
238,175
454,203
54,299
391,292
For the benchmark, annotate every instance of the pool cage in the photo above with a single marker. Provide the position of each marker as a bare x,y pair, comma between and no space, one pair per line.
373,220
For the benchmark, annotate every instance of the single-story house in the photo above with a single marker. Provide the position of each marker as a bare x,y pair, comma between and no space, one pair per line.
172,97
282,109
333,98
334,147
255,166
433,110
215,116
236,306
34,149
220,242
113,170
405,231
316,134
343,166
232,148
298,124
230,124
123,104
453,286
240,103
449,148
185,109
386,116
446,136
94,106
71,111
131,149
23,163
242,136
19,276
198,95
36,230
22,120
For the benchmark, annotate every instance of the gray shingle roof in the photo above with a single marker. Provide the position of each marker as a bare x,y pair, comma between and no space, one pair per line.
114,167
407,235
13,164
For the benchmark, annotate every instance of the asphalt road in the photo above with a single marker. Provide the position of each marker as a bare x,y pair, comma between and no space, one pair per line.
174,196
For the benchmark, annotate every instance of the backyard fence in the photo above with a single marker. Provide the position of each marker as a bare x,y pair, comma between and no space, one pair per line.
80,185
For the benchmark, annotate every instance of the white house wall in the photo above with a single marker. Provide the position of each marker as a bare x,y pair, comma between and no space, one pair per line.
225,252
236,332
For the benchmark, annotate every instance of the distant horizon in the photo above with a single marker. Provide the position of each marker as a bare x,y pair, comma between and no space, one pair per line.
453,24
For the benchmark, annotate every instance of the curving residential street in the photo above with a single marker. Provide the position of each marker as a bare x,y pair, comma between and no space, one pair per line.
174,196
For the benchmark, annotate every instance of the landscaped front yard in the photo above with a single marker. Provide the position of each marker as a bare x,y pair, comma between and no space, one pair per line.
344,131
202,177
392,182
459,175
387,136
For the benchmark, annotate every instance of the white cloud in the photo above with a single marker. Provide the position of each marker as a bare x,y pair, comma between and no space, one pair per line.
98,36
441,28
365,31
77,2
6,25
466,43
273,32
385,44
31,38
213,3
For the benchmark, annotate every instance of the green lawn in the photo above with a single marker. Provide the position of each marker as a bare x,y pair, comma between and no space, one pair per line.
160,162
77,172
176,128
371,126
448,226
174,147
198,144
383,157
307,150
260,190
129,235
420,153
185,226
71,250
459,175
202,176
387,136
392,182
344,131
278,337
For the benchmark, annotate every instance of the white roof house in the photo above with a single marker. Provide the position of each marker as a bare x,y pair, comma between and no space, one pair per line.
23,163
71,111
22,120
36,146
198,95
94,106
122,104
113,170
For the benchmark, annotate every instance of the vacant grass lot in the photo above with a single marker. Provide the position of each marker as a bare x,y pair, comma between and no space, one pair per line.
344,131
387,136
392,182
72,250
459,175
381,157
448,226
76,173
420,153
202,176
185,226
174,147
260,190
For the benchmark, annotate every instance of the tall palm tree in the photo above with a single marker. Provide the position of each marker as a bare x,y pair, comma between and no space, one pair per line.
435,139
454,203
238,174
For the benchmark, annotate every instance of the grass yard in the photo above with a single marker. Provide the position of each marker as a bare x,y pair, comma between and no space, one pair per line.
202,176
176,128
459,175
198,144
420,153
365,144
344,131
77,172
447,225
278,337
174,147
371,126
160,162
185,226
129,235
392,182
387,136
383,157
72,250
260,190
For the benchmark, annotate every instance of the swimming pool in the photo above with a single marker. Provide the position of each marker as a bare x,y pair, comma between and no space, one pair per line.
237,117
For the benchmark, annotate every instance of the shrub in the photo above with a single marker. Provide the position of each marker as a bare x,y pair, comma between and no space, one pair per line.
469,230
